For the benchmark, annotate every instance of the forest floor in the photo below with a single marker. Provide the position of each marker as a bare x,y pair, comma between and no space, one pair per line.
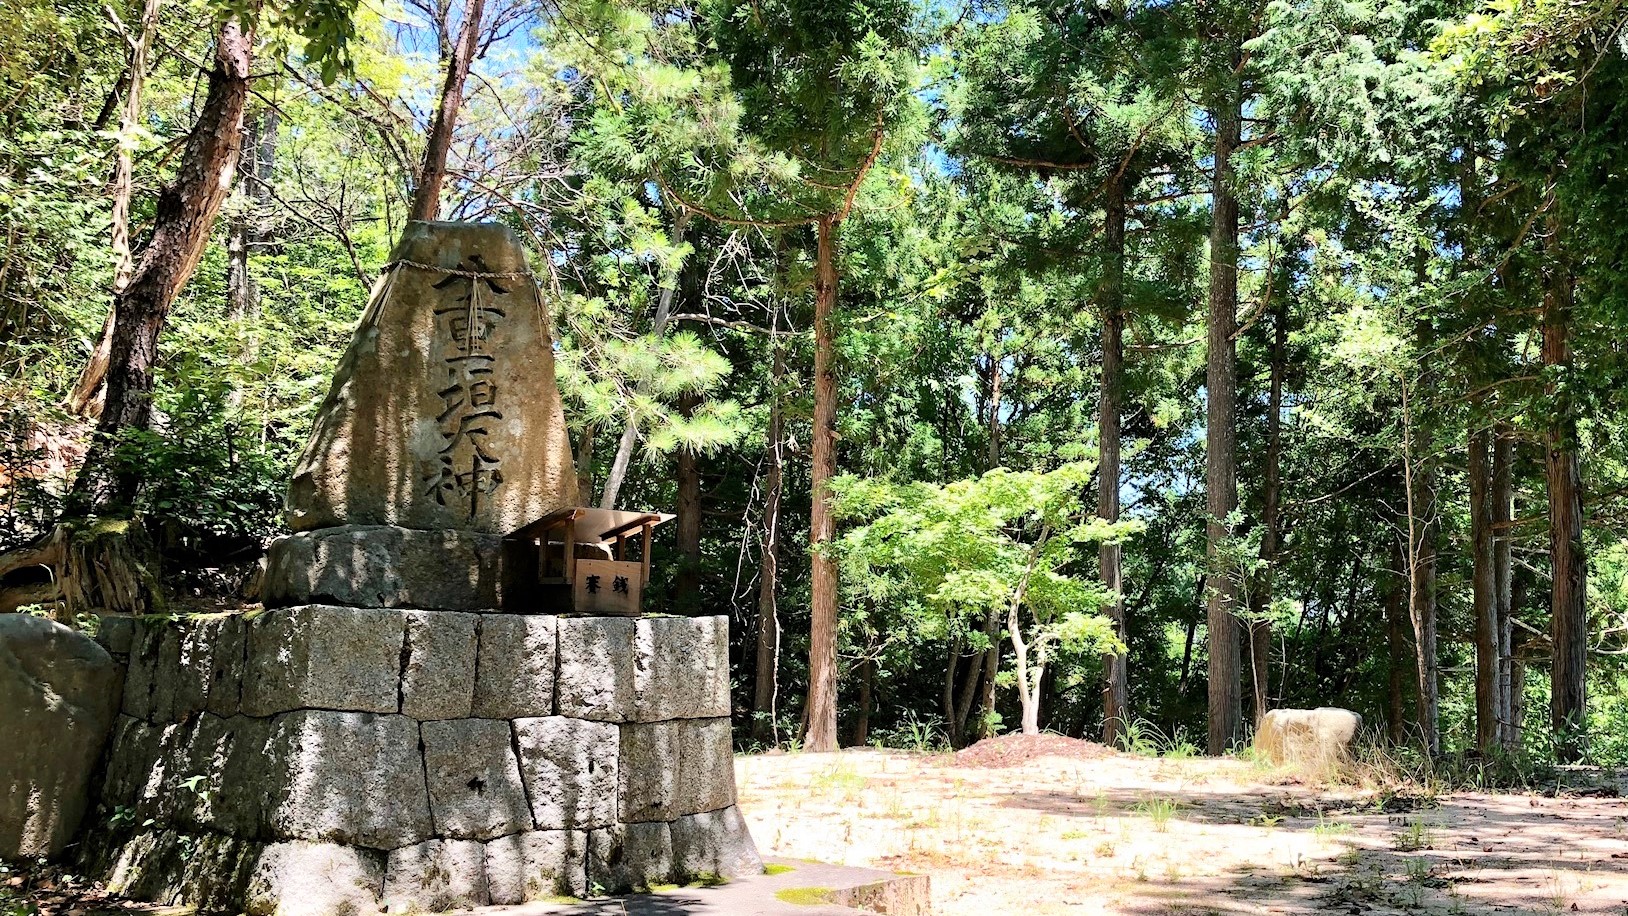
1053,825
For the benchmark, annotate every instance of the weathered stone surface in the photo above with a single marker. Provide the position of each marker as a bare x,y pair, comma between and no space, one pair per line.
670,769
59,694
1315,738
714,843
515,671
475,788
681,668
536,865
706,766
181,666
209,871
569,767
132,778
315,879
220,779
630,857
444,411
345,777
323,657
116,633
438,679
596,668
385,566
649,771
436,876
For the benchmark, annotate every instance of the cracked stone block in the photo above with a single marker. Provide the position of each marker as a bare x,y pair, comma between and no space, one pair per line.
714,844
315,879
323,657
436,876
537,865
515,666
648,771
171,868
596,664
569,767
438,679
630,857
219,780
670,769
346,777
475,788
681,668
706,773
385,566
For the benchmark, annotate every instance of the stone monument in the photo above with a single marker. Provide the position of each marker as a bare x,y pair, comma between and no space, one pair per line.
384,737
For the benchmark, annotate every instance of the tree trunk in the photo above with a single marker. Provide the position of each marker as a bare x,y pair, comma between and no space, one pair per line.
247,226
1568,612
1396,601
432,173
1422,608
1483,590
867,684
1503,514
1116,686
1260,625
994,453
86,397
822,645
766,683
185,213
585,463
952,724
658,328
986,684
1221,386
687,580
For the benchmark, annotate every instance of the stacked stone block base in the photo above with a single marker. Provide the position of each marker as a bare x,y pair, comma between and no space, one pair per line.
336,761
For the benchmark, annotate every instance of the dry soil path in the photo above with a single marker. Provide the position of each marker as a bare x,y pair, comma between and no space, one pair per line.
1123,834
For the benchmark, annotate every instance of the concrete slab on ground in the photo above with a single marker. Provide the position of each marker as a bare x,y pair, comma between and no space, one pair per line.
851,890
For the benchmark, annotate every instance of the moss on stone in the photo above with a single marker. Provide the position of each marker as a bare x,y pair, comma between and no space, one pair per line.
804,896
775,868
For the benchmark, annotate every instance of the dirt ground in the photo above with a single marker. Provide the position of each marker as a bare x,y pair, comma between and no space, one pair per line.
1068,827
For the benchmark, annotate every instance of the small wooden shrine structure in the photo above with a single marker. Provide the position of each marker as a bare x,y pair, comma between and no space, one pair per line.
576,560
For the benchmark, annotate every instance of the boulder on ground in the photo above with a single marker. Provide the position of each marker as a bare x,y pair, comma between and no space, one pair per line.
1316,738
59,693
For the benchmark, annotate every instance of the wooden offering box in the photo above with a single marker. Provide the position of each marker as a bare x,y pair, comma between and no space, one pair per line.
575,560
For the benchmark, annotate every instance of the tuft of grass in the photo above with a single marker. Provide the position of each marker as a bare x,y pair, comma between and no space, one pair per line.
804,896
1415,836
775,868
1328,828
1158,810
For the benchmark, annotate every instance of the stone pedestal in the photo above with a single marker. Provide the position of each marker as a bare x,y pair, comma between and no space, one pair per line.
322,760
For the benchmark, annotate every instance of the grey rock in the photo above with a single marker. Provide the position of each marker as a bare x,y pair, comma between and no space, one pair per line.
59,694
315,879
630,857
132,754
569,768
217,778
714,844
436,876
648,771
475,788
537,865
670,769
116,633
681,668
515,671
438,679
142,664
209,871
706,766
197,665
596,665
406,414
346,777
323,657
385,566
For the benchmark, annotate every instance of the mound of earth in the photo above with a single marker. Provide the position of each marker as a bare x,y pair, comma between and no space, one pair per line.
1016,750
